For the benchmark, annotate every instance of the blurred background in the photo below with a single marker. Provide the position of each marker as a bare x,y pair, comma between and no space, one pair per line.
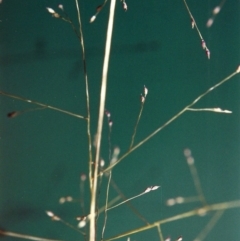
44,152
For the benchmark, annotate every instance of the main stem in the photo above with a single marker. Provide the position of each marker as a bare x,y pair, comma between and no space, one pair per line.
92,234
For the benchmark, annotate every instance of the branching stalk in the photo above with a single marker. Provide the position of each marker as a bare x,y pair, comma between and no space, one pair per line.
172,119
195,212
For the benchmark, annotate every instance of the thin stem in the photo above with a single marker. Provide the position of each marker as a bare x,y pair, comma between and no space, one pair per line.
134,210
87,95
127,200
194,212
105,211
24,236
110,174
68,20
41,104
72,227
172,119
58,219
114,200
192,18
102,209
160,233
110,203
196,179
135,128
82,204
32,109
210,225
100,120
217,110
197,183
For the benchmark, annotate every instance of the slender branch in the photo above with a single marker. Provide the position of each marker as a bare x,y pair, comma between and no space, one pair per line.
210,225
195,177
125,201
192,18
197,184
100,210
100,120
136,125
172,119
217,110
194,24
134,210
58,219
160,233
82,190
149,189
87,95
68,20
41,104
24,236
105,211
64,18
73,227
195,212
142,99
110,158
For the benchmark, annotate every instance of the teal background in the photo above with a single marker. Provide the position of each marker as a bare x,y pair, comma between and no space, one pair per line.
44,152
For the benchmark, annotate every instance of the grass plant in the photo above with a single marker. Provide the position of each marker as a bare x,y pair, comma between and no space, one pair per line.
96,203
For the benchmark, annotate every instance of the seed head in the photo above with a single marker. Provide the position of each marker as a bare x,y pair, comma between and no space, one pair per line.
203,44
124,6
92,19
192,23
145,91
208,53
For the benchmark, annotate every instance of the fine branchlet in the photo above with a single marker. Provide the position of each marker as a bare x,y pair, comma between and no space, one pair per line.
57,218
149,189
194,25
43,106
142,100
195,177
186,108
